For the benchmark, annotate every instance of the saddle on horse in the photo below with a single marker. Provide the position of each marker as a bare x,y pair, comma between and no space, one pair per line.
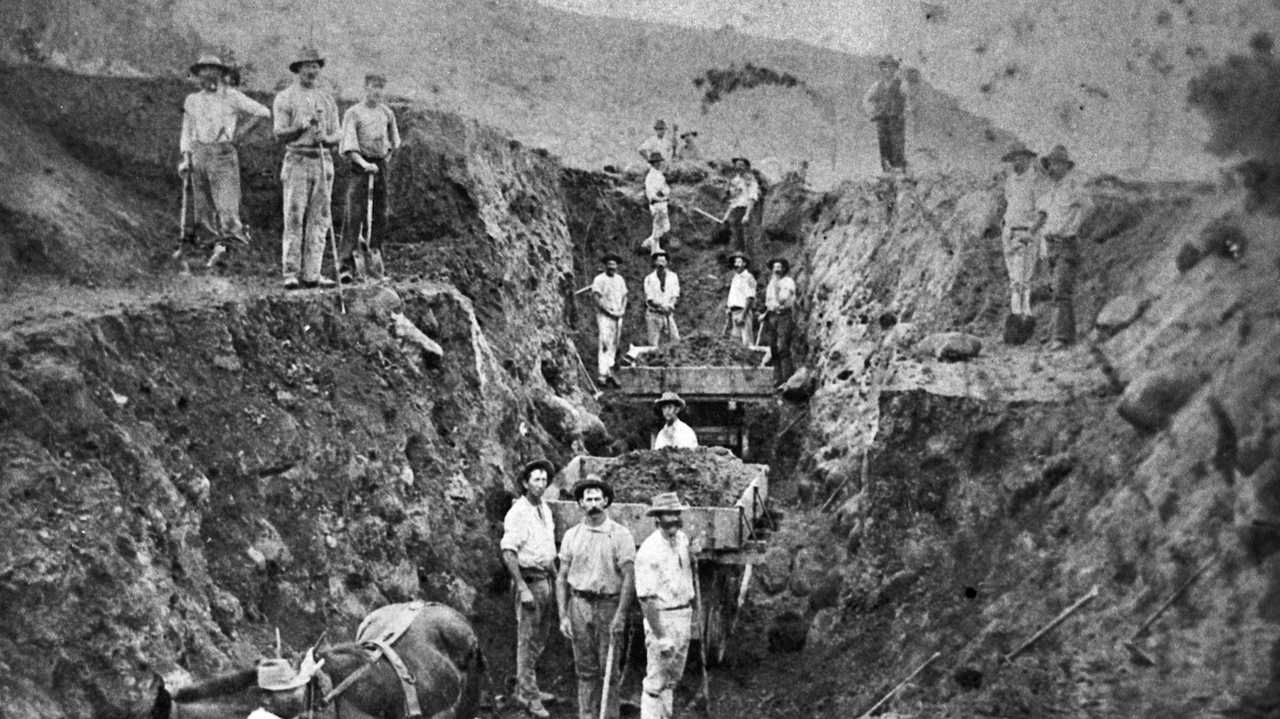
377,634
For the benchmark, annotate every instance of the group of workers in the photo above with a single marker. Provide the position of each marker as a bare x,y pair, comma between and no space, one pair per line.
590,584
306,121
662,293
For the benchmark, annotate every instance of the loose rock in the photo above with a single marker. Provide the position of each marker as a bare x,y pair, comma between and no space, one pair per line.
1119,313
950,346
1150,401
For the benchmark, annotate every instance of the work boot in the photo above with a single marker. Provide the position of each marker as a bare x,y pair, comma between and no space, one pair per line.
291,283
1012,329
1026,328
324,283
373,266
534,707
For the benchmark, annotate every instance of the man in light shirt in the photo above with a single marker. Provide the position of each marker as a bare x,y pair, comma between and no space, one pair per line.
886,104
369,136
1062,208
657,192
1022,184
657,142
529,553
674,433
208,147
744,193
779,305
610,293
664,586
742,299
306,120
661,292
595,585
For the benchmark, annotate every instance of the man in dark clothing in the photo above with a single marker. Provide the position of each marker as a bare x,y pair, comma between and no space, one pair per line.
886,104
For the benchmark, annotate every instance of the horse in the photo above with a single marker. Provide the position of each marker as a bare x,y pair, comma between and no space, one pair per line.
439,649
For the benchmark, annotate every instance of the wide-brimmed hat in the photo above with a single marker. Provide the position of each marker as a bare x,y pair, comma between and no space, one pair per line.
1057,154
656,156
540,463
667,502
743,160
593,481
1016,150
610,257
658,253
786,266
305,55
374,78
888,61
668,398
735,255
659,124
209,61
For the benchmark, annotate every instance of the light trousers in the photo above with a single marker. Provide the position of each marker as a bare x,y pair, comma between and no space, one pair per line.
308,192
663,672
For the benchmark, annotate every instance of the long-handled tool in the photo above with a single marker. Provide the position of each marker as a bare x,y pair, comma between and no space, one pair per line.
900,685
1062,617
706,214
366,231
608,676
182,212
337,284
1136,655
747,572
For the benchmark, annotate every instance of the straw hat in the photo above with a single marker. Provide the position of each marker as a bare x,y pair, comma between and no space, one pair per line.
305,55
209,61
655,156
668,398
277,675
665,503
610,257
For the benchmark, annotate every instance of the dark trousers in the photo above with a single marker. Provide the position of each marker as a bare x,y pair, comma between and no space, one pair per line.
356,209
737,223
779,331
892,132
1063,254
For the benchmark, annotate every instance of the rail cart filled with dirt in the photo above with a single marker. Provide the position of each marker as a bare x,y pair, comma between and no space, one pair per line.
727,520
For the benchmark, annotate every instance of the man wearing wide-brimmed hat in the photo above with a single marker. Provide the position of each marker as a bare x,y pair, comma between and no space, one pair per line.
742,299
744,193
886,104
279,687
661,292
657,142
1062,207
594,588
529,553
1022,185
610,293
664,586
658,194
306,120
369,136
208,146
674,432
779,320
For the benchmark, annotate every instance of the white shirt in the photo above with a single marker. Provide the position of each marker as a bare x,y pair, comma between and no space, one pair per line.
1064,204
663,571
741,289
209,117
529,531
744,191
295,105
677,434
656,188
610,291
370,131
780,293
1020,193
664,294
655,144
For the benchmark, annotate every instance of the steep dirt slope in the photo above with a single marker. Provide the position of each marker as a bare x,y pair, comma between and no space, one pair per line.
1001,489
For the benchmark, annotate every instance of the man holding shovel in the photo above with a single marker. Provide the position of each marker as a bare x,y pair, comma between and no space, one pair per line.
610,293
594,588
744,193
742,300
210,162
369,136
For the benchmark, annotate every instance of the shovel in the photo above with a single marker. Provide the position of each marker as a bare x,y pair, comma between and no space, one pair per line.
1136,655
182,213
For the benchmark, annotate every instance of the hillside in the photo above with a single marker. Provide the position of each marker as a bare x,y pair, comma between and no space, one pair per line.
585,88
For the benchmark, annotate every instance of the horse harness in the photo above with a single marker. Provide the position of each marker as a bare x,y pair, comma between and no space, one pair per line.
380,648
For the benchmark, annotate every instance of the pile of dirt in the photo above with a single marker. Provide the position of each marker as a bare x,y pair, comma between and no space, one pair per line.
703,477
701,349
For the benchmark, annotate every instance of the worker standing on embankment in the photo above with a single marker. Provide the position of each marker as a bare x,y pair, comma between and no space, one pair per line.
1022,187
1062,207
369,136
661,293
610,293
658,193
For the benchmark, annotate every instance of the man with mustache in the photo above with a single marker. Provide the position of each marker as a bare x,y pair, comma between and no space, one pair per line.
594,588
664,585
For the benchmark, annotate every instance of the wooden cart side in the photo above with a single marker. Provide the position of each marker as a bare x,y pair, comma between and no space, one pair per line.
696,382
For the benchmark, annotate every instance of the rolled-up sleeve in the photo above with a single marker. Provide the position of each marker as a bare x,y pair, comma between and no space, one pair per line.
250,106
282,112
393,131
350,136
624,547
515,532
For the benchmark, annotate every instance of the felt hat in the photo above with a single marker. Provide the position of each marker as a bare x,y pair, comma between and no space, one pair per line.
374,78
786,266
1016,150
655,156
660,124
610,257
735,255
209,61
888,61
743,160
1057,154
305,55
668,398
540,463
658,253
593,481
665,503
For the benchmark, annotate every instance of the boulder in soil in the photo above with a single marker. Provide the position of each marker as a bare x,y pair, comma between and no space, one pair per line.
1150,401
800,386
1119,313
950,346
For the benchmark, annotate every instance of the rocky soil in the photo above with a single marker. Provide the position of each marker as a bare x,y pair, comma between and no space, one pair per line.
703,477
701,349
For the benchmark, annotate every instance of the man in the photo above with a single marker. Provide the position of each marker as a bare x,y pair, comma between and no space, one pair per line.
1062,207
742,300
306,120
674,433
886,104
664,586
596,582
369,136
744,193
1021,186
657,142
689,151
779,304
658,193
610,292
529,553
661,292
208,146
